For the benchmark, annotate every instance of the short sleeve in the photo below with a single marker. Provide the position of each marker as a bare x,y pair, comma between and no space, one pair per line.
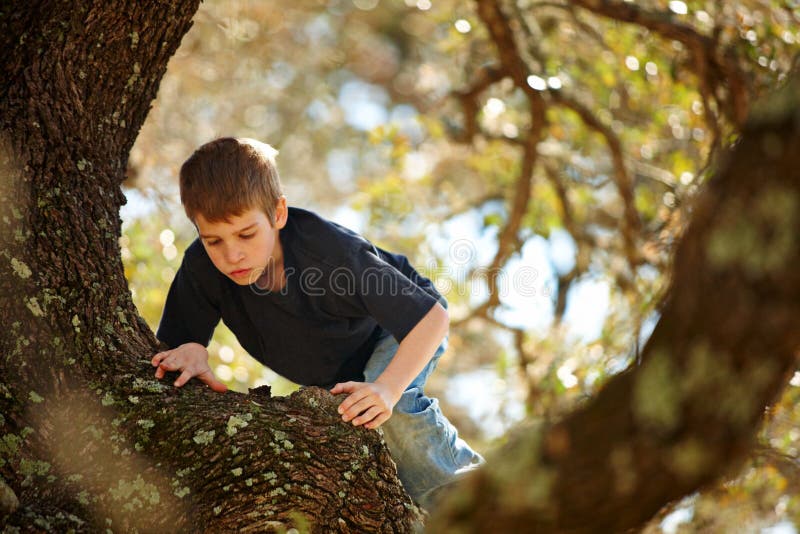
190,314
395,302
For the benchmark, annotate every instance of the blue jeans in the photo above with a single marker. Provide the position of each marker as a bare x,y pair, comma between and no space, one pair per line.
423,443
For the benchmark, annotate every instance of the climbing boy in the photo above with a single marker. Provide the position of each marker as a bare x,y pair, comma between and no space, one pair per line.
313,301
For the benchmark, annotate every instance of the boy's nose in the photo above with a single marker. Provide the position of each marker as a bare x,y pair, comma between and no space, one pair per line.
233,255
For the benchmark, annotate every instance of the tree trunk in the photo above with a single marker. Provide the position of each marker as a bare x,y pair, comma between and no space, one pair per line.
89,439
725,346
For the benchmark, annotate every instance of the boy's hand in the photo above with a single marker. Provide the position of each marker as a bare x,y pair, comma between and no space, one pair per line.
369,403
192,360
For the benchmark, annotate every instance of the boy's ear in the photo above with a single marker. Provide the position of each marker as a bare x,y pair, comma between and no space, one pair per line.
281,213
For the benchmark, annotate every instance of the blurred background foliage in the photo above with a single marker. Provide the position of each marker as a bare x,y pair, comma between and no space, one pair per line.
400,120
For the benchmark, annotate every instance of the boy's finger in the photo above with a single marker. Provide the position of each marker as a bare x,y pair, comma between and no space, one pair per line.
367,416
378,421
186,375
354,397
346,387
212,382
362,405
167,365
158,357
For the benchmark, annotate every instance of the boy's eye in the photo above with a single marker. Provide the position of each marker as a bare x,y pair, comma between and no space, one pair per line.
247,236
212,243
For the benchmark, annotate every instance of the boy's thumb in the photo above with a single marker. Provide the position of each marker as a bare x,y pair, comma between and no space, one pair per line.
346,387
212,382
218,386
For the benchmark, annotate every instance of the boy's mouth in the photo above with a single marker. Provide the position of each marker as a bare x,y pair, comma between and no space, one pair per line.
240,272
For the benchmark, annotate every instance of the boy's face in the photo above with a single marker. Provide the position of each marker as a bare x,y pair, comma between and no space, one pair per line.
244,246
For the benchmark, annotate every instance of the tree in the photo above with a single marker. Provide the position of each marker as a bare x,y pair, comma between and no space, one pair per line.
90,440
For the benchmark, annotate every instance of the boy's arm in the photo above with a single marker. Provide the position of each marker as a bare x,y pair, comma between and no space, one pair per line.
191,312
192,308
374,401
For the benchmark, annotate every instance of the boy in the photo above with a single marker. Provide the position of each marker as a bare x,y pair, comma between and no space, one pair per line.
313,301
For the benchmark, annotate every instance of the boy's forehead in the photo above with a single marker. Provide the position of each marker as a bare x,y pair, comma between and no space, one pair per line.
231,222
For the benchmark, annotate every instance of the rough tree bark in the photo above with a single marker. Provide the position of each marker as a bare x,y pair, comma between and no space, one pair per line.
89,440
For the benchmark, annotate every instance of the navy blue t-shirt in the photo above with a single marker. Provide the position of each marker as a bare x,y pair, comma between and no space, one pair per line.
341,294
